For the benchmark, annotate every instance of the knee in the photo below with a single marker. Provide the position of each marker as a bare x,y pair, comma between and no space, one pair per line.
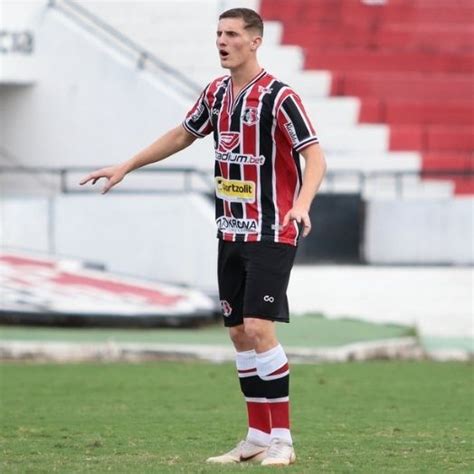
253,329
238,336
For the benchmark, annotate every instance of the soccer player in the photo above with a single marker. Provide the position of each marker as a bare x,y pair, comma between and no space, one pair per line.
259,127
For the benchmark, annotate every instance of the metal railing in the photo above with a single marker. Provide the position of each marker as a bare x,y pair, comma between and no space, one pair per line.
143,57
399,177
201,181
191,179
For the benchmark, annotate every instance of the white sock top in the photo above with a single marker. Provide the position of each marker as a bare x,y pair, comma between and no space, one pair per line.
271,360
245,360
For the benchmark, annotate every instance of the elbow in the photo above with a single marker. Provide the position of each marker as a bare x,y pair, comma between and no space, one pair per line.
184,138
322,163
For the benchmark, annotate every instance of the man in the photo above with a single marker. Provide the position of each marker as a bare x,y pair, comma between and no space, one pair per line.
259,127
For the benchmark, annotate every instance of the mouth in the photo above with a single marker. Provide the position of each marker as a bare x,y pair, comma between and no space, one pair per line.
223,54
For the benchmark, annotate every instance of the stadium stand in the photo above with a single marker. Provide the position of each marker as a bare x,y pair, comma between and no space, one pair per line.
96,100
409,62
347,143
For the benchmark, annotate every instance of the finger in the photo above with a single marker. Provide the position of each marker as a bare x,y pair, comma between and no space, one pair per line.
286,219
110,184
85,180
307,226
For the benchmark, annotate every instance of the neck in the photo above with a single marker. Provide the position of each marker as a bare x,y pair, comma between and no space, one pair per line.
244,74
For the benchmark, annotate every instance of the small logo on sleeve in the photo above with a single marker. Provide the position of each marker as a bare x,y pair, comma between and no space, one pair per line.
290,128
197,113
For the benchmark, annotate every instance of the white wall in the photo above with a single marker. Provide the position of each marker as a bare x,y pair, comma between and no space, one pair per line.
162,237
89,106
24,223
424,232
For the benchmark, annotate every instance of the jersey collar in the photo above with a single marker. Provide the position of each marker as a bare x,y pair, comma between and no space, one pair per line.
232,102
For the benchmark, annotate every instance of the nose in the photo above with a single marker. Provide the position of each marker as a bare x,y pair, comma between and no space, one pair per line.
220,41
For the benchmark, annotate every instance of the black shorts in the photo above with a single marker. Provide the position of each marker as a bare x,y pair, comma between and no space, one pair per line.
253,279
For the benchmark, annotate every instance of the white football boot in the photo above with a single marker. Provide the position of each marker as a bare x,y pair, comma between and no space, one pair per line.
279,454
244,451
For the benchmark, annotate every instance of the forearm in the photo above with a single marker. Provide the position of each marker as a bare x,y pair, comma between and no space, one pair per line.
313,175
171,142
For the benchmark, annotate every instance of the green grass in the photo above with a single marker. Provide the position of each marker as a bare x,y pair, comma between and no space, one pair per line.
168,417
304,331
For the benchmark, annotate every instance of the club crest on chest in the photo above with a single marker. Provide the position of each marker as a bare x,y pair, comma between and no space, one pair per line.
250,116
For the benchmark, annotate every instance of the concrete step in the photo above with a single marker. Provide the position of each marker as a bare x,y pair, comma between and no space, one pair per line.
363,138
369,162
343,111
389,187
183,57
204,30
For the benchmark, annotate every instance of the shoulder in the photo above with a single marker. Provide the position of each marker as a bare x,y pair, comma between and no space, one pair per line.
212,88
217,83
281,90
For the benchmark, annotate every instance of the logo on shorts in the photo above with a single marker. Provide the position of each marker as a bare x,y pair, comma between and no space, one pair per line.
228,141
268,299
250,116
233,190
226,308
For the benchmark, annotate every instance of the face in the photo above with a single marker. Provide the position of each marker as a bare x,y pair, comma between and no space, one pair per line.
235,44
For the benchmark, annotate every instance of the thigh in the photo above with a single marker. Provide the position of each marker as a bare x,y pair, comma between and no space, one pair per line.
268,272
231,279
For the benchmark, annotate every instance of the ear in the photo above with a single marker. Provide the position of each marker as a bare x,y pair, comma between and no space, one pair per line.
256,42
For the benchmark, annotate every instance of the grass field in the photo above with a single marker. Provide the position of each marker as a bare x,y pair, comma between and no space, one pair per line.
311,330
377,417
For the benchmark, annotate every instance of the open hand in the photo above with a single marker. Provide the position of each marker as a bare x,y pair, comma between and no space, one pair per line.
113,174
300,216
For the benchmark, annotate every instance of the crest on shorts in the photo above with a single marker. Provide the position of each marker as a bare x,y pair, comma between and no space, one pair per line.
226,308
250,116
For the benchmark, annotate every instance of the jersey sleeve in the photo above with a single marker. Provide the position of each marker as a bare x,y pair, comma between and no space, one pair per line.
293,121
198,119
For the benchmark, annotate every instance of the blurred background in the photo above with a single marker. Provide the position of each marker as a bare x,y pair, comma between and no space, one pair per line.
387,270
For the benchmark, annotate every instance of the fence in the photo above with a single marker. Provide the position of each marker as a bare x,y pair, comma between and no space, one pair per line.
188,179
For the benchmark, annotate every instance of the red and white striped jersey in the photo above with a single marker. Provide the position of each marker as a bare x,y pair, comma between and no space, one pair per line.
257,139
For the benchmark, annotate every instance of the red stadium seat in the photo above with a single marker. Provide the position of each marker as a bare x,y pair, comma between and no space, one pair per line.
363,60
437,87
450,138
411,63
404,112
448,161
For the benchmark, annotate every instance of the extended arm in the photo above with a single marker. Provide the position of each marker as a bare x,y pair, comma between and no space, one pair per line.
313,175
168,144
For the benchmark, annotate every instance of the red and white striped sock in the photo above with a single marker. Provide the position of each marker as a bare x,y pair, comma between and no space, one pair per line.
273,369
252,387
